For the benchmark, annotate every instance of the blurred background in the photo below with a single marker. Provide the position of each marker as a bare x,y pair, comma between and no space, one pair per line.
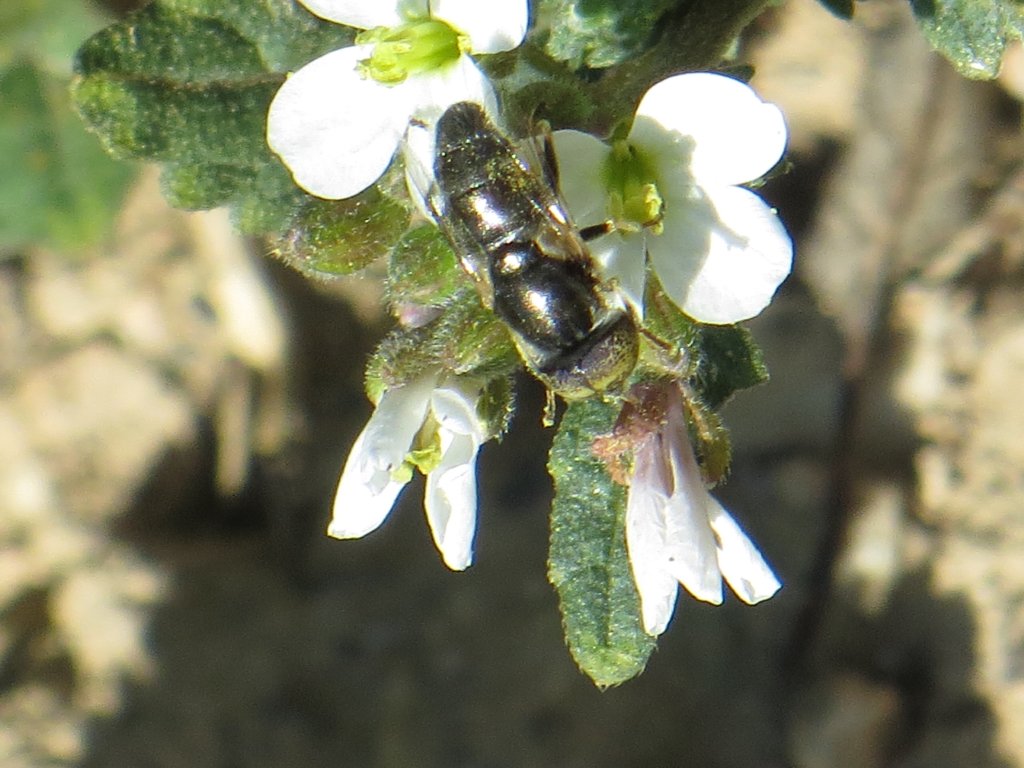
175,407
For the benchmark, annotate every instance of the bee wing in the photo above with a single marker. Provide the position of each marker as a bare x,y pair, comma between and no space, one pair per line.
419,152
536,154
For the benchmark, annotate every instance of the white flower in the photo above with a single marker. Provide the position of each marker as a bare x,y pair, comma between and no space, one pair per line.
337,122
670,190
429,424
677,533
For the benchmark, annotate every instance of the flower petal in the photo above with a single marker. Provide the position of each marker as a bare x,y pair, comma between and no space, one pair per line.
418,156
645,540
739,559
438,90
689,541
335,130
396,420
721,258
362,14
690,545
498,25
580,159
367,489
450,499
734,136
623,259
454,407
365,494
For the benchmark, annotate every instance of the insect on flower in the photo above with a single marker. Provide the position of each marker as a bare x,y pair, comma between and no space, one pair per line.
515,239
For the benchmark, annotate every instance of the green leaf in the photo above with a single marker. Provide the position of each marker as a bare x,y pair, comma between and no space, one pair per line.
328,238
188,83
58,186
729,360
717,359
972,34
841,8
587,563
423,270
465,339
600,33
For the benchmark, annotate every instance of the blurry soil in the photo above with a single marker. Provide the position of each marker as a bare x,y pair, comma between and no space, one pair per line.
174,413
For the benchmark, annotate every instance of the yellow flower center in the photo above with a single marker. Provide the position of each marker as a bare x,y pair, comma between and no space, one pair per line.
412,48
425,454
634,201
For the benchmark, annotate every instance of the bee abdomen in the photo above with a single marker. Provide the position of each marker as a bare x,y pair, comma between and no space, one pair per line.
549,302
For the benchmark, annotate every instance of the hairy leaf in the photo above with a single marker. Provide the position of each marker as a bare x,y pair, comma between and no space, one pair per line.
972,34
600,33
188,82
587,563
729,360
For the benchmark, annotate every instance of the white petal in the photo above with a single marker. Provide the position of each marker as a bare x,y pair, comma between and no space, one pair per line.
335,130
363,14
365,495
689,541
690,545
740,561
450,499
455,410
580,160
367,489
645,541
497,25
418,156
622,259
734,136
396,420
438,90
721,258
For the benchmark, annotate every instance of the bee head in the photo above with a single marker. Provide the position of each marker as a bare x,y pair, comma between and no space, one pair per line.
601,363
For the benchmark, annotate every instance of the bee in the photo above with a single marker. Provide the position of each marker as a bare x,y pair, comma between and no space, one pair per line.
531,265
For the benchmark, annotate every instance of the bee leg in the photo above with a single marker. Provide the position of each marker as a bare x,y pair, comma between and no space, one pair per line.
595,231
548,158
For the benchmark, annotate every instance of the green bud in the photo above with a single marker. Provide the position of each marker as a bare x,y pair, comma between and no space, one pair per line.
328,238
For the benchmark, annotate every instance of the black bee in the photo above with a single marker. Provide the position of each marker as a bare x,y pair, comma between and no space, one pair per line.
514,237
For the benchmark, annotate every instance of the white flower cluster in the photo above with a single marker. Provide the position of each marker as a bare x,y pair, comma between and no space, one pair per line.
670,192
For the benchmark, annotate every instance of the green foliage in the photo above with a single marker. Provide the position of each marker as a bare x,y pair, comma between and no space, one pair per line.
423,269
328,238
600,33
465,339
729,360
972,34
188,83
58,186
718,360
587,563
